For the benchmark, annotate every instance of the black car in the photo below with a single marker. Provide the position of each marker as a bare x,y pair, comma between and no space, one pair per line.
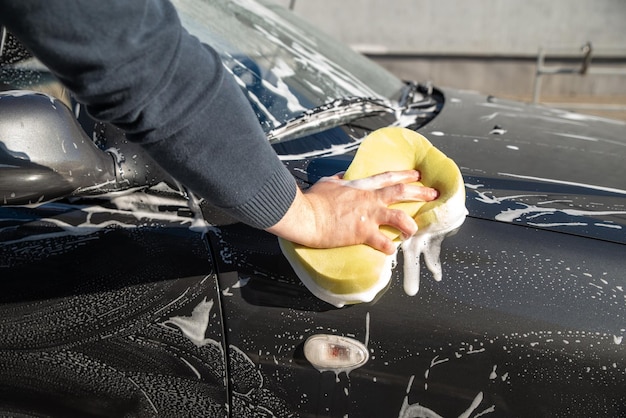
121,294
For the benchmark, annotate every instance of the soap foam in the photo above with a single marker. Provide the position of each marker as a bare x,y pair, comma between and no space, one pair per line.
429,245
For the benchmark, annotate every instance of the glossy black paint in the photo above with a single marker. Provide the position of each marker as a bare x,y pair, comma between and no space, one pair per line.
559,170
142,301
101,298
91,308
492,327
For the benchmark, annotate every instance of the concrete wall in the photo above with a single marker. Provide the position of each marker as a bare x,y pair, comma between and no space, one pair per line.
485,45
467,27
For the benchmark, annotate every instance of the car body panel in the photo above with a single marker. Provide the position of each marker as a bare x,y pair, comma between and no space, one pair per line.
148,302
102,309
536,166
494,331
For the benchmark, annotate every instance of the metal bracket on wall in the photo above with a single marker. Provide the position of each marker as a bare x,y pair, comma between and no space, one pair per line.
3,39
583,69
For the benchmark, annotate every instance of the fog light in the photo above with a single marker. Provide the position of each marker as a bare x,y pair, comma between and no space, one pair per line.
335,353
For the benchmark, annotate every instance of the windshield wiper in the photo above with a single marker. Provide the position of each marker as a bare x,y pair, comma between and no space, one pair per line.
335,113
416,101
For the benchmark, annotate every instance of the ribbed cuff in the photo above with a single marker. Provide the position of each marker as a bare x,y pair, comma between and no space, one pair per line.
271,202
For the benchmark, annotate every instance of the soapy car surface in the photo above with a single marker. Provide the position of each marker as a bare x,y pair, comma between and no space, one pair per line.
147,302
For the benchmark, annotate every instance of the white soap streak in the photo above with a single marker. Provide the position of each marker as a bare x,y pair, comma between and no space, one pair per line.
241,282
412,249
491,200
416,410
521,113
585,118
427,244
489,410
367,329
173,301
436,361
306,53
326,152
531,211
193,369
254,98
589,138
144,394
568,183
408,388
194,327
282,70
129,203
582,137
493,375
528,211
555,224
613,226
475,403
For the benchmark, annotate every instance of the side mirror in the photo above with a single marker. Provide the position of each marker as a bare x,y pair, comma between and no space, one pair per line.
45,154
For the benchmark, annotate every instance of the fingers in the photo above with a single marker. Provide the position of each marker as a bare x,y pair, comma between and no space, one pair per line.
387,179
381,243
399,220
396,219
340,212
407,193
394,187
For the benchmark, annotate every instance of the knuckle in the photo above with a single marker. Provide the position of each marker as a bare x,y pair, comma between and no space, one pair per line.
397,217
401,189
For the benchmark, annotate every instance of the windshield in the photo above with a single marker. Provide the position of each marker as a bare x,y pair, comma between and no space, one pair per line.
284,65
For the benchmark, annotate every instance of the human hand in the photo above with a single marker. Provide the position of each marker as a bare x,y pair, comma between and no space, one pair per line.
336,212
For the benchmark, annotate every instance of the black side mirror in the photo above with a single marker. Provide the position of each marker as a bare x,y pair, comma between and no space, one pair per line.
45,154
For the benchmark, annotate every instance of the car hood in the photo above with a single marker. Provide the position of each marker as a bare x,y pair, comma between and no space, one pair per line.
536,166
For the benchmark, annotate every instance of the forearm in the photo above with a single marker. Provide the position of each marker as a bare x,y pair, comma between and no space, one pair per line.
133,65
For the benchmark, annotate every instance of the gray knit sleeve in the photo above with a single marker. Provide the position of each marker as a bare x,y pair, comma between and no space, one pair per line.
132,64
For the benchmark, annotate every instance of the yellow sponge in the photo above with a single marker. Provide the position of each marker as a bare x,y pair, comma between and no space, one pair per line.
356,273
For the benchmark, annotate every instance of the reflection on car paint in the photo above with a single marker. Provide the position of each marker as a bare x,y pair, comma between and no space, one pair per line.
330,75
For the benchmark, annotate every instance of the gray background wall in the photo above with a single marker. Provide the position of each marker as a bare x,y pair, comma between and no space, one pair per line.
486,45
